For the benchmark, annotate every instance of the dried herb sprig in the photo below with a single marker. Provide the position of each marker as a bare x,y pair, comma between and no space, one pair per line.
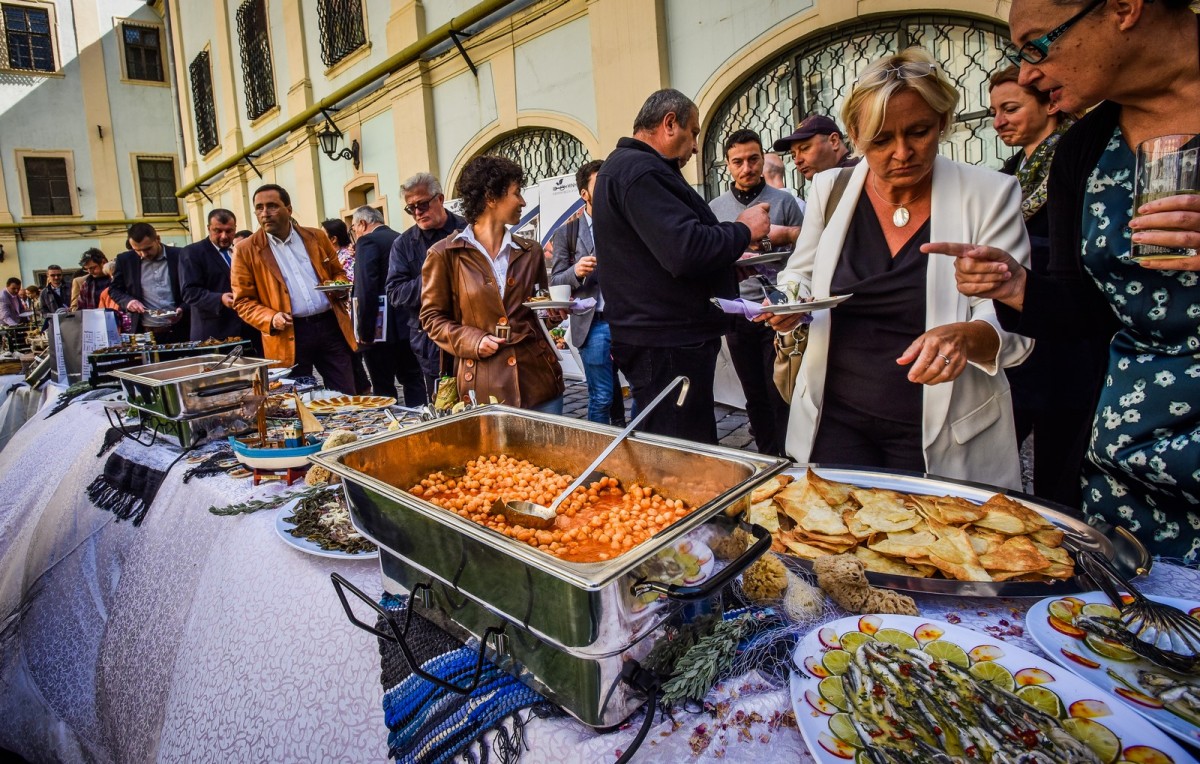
271,502
697,656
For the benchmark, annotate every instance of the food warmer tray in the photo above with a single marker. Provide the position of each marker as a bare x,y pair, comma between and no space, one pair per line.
1115,544
573,631
194,430
192,386
103,364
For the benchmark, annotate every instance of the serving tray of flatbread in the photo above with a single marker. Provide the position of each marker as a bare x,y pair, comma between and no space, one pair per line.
922,533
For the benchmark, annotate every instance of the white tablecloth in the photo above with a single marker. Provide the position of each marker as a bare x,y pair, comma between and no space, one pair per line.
207,638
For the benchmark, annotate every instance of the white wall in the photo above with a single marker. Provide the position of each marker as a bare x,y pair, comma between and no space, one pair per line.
554,73
703,36
439,12
464,105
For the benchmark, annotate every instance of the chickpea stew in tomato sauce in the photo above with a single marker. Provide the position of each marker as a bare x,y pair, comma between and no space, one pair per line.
597,522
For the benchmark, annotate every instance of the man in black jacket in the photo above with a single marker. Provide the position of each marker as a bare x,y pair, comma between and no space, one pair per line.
666,256
425,203
390,359
56,295
147,279
204,281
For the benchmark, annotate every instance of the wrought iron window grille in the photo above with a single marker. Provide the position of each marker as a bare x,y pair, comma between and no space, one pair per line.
27,38
143,52
48,186
817,75
257,71
342,29
156,180
542,152
203,107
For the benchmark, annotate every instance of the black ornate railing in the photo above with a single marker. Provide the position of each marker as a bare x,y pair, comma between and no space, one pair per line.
342,30
816,76
542,152
203,108
257,70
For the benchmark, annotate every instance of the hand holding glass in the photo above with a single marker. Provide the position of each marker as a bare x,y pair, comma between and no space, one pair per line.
1166,166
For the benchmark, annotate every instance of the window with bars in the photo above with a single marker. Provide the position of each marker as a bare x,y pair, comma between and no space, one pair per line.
342,29
203,108
257,72
816,77
27,38
143,52
542,152
48,186
156,182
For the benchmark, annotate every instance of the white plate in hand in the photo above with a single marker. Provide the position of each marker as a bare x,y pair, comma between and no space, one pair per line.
548,305
756,258
823,303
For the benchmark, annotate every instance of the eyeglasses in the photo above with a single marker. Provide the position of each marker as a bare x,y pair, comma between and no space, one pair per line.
911,71
1036,50
419,206
54,275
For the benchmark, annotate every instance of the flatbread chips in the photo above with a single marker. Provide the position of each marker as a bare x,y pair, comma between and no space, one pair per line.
911,534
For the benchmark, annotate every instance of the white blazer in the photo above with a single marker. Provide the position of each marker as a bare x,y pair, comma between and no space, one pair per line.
967,424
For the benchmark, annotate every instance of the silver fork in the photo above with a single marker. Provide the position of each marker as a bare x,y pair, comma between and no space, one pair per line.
1162,627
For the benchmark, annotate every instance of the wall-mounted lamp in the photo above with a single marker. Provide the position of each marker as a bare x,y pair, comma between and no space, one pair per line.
330,136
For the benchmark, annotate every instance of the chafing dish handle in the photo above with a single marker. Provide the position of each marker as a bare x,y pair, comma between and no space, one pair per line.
227,387
713,585
397,635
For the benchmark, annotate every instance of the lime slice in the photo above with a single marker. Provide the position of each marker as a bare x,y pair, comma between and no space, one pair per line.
948,652
852,640
901,639
1063,610
836,661
831,690
1108,648
1100,610
1096,736
1042,699
990,671
840,725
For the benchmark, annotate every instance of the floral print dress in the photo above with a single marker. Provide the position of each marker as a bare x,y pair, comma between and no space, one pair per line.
1143,465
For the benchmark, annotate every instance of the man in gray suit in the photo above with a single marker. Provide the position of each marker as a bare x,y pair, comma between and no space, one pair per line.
575,265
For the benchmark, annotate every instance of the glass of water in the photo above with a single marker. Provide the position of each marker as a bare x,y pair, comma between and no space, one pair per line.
1166,166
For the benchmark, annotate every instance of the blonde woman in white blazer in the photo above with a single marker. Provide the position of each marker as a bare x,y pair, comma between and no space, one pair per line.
956,419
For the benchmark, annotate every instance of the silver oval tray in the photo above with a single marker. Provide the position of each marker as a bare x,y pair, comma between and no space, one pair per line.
1114,543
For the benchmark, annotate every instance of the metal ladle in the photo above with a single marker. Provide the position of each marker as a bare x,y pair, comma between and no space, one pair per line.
530,515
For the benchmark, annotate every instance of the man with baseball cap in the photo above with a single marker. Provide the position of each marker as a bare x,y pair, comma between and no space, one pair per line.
817,144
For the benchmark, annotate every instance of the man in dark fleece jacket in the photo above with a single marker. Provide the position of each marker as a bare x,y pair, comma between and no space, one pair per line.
665,257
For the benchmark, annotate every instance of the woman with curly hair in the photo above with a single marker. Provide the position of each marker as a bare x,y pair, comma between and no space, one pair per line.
474,284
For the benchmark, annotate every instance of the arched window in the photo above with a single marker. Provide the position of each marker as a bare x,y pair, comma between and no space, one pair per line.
816,76
542,152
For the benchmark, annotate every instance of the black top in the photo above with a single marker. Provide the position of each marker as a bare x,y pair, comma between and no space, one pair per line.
203,278
665,254
127,285
405,260
371,253
873,328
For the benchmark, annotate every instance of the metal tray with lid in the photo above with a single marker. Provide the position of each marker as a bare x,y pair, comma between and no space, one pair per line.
585,608
192,386
1115,544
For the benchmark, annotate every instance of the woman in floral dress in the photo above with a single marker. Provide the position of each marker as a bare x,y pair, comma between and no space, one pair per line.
1141,62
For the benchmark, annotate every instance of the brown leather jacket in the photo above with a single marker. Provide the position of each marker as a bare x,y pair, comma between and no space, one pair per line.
460,305
259,291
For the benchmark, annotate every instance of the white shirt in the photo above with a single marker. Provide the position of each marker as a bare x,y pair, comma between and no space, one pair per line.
500,262
298,275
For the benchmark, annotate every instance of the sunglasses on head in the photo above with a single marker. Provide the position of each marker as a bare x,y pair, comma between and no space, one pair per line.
419,206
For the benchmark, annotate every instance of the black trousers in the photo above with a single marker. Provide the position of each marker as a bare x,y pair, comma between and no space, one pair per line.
320,343
650,369
391,362
849,437
1056,434
752,350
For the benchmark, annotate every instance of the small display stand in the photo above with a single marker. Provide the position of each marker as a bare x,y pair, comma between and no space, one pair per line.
289,474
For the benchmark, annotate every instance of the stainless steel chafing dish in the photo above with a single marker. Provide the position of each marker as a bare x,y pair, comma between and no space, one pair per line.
573,626
188,387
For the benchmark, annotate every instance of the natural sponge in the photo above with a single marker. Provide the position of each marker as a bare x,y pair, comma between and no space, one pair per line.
765,579
844,579
316,473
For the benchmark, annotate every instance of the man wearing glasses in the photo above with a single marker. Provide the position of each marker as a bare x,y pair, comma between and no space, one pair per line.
56,295
425,203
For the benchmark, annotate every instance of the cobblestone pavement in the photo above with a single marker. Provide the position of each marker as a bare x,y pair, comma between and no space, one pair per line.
732,426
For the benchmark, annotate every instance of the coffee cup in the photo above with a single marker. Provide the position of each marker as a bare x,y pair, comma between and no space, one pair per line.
560,293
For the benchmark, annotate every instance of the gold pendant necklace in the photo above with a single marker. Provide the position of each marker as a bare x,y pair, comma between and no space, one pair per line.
900,216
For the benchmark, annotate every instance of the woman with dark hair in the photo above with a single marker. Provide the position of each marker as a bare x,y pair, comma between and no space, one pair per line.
1140,61
339,237
1052,390
475,282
